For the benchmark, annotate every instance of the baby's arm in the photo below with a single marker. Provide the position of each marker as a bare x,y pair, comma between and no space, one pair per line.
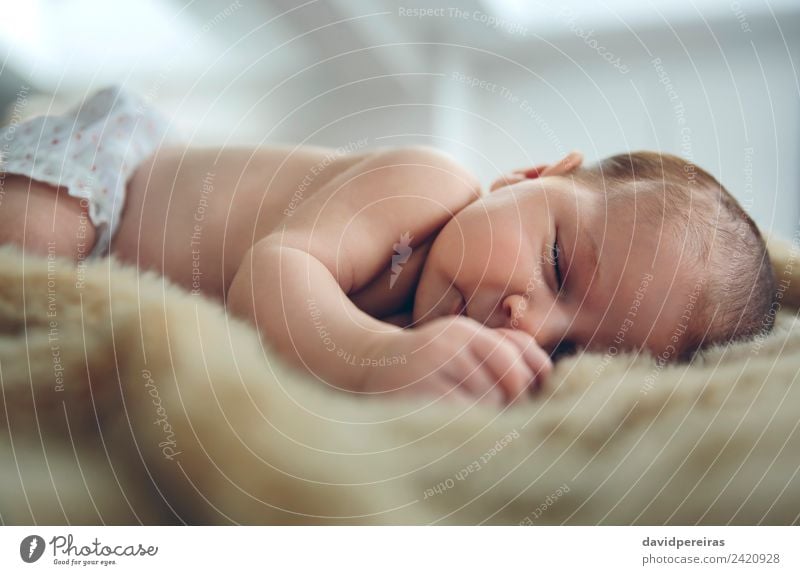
294,283
300,309
294,286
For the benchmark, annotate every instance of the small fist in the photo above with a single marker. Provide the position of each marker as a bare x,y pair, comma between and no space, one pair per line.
459,358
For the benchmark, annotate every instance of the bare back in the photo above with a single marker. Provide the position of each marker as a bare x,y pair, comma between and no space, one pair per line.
192,213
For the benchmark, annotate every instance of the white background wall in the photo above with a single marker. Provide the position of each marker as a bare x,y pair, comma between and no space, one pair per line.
333,72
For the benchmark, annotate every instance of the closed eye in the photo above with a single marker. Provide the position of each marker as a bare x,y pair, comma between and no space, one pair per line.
556,265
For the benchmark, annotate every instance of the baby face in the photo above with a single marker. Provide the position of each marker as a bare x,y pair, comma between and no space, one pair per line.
548,257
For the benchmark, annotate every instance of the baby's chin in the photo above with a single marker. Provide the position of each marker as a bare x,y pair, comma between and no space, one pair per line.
425,294
423,307
416,309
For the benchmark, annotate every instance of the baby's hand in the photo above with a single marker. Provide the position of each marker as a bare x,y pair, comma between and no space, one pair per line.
458,357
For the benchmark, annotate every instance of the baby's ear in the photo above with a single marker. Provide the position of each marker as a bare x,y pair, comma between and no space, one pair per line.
565,165
516,176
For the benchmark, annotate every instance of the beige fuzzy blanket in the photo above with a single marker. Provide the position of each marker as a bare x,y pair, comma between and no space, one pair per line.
126,400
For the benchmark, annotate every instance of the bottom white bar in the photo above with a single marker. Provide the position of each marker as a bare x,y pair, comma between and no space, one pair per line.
401,550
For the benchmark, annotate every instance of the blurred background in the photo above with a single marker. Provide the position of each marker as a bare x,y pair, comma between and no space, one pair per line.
499,83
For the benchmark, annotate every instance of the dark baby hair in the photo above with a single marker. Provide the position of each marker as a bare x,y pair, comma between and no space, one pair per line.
727,249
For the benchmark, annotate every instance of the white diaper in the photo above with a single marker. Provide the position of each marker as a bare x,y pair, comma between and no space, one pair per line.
92,150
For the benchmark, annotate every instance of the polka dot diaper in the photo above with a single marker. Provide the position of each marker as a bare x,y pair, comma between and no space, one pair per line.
92,150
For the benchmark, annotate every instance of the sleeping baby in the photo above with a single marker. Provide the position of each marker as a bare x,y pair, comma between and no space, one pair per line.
390,271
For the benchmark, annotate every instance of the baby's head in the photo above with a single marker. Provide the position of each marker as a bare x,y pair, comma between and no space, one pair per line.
641,250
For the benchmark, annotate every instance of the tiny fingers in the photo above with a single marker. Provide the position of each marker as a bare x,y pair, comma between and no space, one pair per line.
534,356
478,381
509,371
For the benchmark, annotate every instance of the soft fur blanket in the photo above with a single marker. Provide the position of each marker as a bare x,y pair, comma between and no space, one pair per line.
127,400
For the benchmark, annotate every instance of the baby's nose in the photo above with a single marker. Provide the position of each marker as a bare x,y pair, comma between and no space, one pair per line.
515,307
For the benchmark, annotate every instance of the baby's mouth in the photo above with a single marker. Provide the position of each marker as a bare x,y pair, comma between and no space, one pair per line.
463,309
460,305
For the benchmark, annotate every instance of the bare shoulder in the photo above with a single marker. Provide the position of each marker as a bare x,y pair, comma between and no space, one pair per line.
409,188
353,223
440,174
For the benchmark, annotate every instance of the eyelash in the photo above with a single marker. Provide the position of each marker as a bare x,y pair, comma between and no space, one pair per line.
556,251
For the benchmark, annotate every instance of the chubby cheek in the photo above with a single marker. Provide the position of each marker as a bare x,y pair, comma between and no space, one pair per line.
493,247
476,252
433,284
